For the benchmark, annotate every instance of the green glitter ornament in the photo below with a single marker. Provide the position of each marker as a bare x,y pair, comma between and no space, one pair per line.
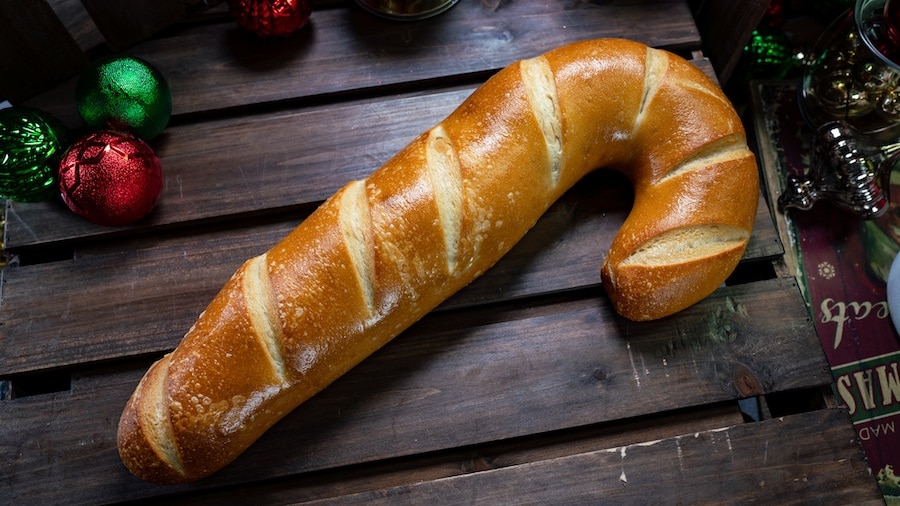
31,145
124,93
768,55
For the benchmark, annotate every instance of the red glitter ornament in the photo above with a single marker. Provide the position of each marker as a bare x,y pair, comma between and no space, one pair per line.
271,18
110,178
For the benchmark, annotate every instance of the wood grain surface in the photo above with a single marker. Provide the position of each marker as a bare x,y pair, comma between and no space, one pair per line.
523,387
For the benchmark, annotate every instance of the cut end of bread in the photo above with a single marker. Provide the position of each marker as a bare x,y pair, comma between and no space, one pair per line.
146,441
156,423
674,270
687,244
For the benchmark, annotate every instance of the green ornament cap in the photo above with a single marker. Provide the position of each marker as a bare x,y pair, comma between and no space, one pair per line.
31,145
124,93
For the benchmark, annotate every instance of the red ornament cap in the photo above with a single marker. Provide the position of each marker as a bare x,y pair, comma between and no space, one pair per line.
110,178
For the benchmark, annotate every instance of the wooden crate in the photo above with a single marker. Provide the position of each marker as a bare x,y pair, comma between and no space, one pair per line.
525,386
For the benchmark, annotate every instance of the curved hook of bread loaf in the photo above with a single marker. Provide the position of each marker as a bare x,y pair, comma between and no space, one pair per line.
382,252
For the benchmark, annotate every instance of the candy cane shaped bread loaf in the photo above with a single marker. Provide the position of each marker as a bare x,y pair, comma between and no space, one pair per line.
384,251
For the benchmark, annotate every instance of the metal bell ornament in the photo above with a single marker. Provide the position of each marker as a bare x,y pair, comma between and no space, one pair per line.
848,169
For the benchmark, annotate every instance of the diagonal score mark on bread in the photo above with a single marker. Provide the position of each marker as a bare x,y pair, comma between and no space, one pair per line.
726,149
541,90
687,244
705,89
444,173
356,227
263,311
656,63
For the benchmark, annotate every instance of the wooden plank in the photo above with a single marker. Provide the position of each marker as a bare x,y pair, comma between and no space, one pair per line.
161,284
344,481
302,163
78,23
211,67
196,155
526,375
770,163
118,305
124,24
455,379
767,462
765,243
36,50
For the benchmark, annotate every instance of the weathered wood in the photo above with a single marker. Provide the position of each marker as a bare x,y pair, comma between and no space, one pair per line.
525,382
264,162
215,67
456,379
36,50
344,481
302,162
59,314
126,23
751,463
78,23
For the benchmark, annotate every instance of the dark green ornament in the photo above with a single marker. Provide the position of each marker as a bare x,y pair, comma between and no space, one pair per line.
124,93
31,145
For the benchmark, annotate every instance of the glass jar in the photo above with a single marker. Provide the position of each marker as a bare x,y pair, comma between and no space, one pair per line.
406,9
852,77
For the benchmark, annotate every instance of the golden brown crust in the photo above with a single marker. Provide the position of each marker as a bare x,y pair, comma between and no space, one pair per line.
383,252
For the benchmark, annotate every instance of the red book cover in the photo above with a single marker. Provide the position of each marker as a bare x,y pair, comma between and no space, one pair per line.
842,264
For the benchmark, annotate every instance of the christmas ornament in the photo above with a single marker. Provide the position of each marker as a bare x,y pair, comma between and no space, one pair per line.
271,18
848,77
124,93
31,144
775,14
768,55
848,169
110,178
888,106
849,95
